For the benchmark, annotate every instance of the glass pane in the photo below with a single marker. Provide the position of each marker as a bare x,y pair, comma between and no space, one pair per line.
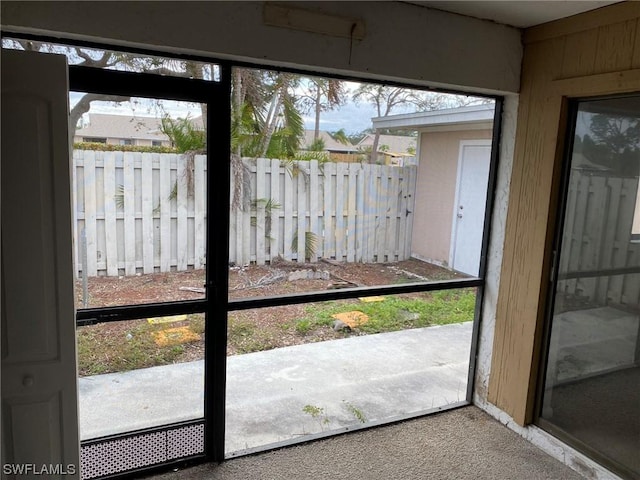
313,208
122,61
140,373
300,370
592,389
139,192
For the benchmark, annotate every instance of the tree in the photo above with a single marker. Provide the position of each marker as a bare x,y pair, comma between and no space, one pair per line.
355,138
88,57
384,99
614,143
265,116
265,119
265,122
185,136
283,126
341,136
321,95
317,145
438,101
189,139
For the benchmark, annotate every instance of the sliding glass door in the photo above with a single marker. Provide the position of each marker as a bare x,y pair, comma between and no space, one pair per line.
591,395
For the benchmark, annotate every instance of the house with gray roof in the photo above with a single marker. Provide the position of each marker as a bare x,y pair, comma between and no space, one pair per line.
330,144
389,143
122,130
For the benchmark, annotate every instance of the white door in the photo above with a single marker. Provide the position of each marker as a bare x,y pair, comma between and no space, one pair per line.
468,215
39,394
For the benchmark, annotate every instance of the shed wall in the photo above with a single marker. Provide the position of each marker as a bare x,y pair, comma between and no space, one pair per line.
436,191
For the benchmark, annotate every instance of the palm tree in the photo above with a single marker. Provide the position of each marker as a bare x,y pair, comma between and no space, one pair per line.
265,122
341,136
185,136
321,95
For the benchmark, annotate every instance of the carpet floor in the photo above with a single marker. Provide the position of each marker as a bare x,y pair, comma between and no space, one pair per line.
460,444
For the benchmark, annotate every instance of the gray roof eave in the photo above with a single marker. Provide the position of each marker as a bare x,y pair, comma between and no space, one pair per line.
455,116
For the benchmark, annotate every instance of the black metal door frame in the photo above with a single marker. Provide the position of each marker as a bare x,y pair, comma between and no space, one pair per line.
216,95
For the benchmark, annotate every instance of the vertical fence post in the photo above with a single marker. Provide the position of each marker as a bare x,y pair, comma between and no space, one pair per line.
85,275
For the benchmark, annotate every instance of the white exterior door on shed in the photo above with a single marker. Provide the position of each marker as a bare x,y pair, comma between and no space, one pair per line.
469,208
39,386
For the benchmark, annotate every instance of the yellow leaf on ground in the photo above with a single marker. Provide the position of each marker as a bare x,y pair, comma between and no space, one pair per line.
376,298
175,336
172,319
354,319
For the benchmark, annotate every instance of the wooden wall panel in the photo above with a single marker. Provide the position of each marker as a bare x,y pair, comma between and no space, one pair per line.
582,49
635,59
525,231
593,19
579,54
614,49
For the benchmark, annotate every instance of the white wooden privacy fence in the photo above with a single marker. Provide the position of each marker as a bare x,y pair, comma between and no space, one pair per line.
146,212
597,238
305,210
138,212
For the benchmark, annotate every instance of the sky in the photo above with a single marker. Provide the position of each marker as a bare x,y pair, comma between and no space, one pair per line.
353,118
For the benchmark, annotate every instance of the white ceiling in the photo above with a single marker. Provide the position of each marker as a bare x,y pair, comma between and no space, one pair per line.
518,13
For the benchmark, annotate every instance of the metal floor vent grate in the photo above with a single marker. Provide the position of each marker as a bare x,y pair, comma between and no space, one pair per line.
125,453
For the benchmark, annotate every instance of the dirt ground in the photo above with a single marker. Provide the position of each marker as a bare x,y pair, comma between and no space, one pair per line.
254,281
257,329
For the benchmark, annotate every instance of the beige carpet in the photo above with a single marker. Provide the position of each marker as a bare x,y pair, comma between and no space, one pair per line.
460,444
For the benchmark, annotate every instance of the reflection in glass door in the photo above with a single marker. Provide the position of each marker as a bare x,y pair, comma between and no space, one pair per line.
591,396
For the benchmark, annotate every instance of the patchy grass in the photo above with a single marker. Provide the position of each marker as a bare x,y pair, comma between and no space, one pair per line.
122,346
396,313
247,338
196,324
306,325
130,347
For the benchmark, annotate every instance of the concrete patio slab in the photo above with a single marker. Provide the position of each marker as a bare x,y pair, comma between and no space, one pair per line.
370,378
